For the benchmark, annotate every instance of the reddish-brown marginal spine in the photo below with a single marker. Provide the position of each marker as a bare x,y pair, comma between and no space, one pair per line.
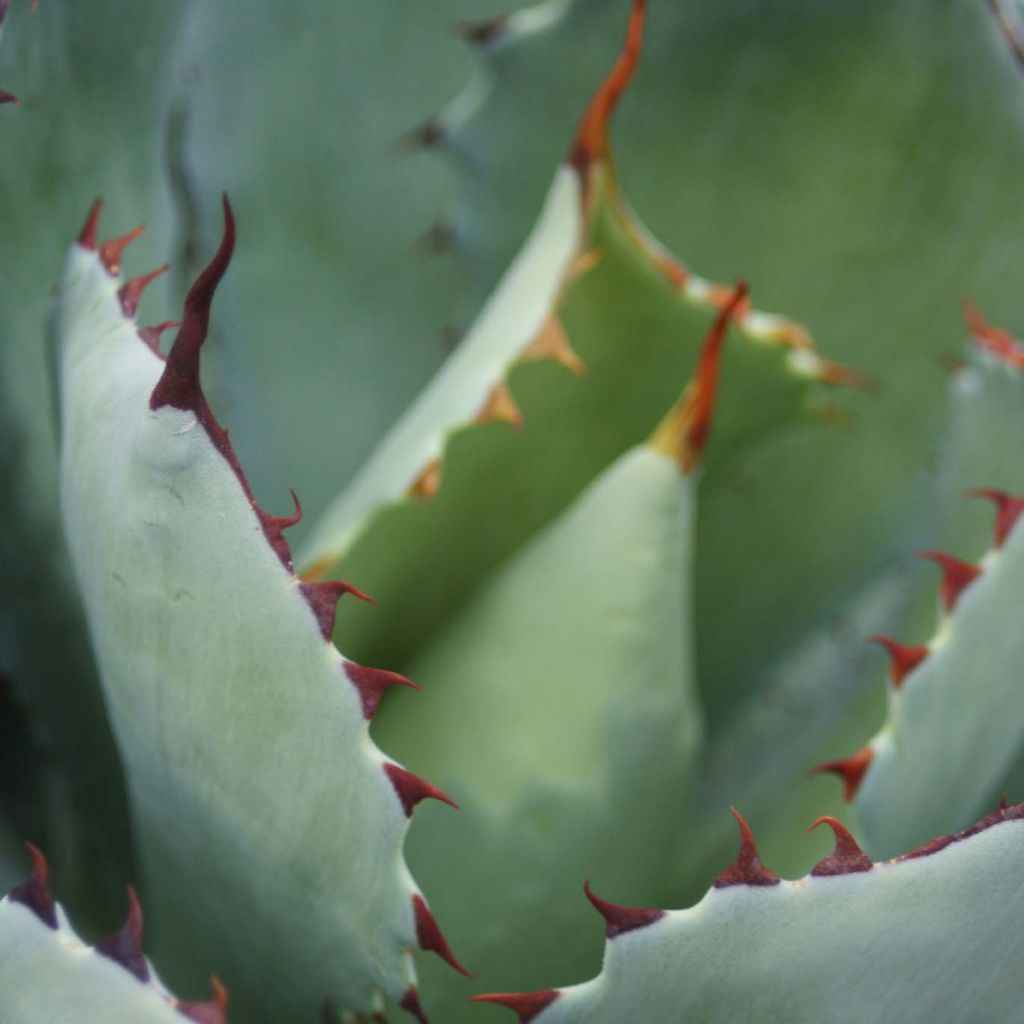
525,1005
747,868
131,291
411,789
619,919
112,251
210,1011
957,576
410,1002
323,598
902,659
591,142
847,858
372,684
34,892
87,236
1008,510
151,335
125,945
430,937
851,770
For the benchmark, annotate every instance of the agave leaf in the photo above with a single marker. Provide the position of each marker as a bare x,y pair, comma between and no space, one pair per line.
591,292
243,730
567,683
955,722
47,973
832,154
926,936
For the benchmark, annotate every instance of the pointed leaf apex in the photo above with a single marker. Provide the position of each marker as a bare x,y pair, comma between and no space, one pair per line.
179,384
747,868
34,892
125,945
526,1005
411,1004
621,919
429,936
87,236
851,770
591,143
112,251
411,789
323,598
131,291
372,683
902,659
683,434
1008,510
847,858
957,576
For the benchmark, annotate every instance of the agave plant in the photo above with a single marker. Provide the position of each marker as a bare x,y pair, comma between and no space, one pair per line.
631,541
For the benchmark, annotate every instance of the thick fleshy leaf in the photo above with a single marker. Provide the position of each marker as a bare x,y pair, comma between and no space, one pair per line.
269,824
581,348
929,936
955,722
48,973
831,153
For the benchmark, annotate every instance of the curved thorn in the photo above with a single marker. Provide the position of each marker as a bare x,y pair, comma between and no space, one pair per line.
847,858
526,1005
285,522
131,291
9,97
411,789
179,383
851,770
957,576
151,335
323,598
1008,510
619,919
34,892
1000,343
372,684
591,143
112,251
429,936
902,659
87,236
125,945
747,868
210,1011
683,434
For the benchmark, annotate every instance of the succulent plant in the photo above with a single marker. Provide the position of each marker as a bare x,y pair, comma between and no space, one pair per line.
630,541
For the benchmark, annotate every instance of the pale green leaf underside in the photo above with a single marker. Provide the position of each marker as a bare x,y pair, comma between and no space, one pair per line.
956,723
928,939
270,835
50,975
558,706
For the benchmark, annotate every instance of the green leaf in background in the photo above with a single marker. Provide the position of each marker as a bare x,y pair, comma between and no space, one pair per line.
860,165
